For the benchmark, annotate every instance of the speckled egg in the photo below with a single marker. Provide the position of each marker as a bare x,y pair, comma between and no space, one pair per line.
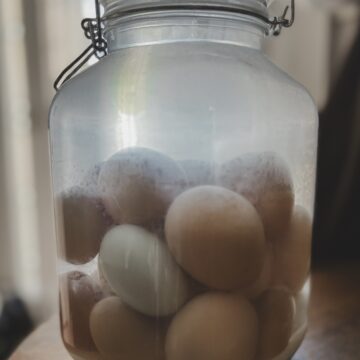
276,311
140,269
198,172
213,326
91,178
265,180
293,252
79,293
137,185
121,333
217,236
82,223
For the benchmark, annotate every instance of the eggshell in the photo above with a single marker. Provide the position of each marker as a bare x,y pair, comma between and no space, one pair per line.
98,276
217,236
140,269
294,344
198,172
82,355
293,252
122,333
78,295
91,178
137,185
213,326
264,280
276,311
82,223
301,304
265,180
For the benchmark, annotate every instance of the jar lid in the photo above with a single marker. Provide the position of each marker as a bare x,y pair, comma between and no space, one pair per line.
257,6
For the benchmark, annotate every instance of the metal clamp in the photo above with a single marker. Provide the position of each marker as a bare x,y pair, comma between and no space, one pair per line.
277,23
93,29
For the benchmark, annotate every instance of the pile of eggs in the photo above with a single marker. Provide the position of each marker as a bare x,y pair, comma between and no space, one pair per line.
194,261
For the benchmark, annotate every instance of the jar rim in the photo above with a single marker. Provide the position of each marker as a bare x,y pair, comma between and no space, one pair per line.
258,7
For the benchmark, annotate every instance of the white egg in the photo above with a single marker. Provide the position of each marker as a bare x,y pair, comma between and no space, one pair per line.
141,270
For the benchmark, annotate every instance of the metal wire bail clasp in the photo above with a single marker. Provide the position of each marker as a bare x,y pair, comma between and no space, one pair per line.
93,32
277,23
93,29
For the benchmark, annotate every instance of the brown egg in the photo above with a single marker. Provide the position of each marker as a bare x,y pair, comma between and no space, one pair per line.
276,311
82,223
265,278
198,172
121,333
216,236
293,252
78,295
82,355
213,326
265,180
137,185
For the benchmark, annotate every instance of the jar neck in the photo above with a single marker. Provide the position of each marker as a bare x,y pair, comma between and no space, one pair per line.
152,27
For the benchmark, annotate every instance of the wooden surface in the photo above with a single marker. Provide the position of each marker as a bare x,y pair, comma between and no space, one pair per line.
334,327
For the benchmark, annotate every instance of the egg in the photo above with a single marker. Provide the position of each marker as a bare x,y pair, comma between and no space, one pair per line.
91,178
79,293
82,355
198,172
276,311
213,326
82,223
265,180
293,253
264,280
137,185
217,236
141,270
121,333
98,276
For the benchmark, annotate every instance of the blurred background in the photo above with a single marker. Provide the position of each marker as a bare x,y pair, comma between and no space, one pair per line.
38,38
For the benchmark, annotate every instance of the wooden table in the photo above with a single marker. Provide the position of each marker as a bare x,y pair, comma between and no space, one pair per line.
334,327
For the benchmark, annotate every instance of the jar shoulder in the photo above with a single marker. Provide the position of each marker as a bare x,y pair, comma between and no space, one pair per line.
189,75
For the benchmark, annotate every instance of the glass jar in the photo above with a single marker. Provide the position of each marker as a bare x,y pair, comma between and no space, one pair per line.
183,169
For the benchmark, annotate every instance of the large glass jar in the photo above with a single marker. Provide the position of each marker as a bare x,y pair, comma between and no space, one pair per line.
183,171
